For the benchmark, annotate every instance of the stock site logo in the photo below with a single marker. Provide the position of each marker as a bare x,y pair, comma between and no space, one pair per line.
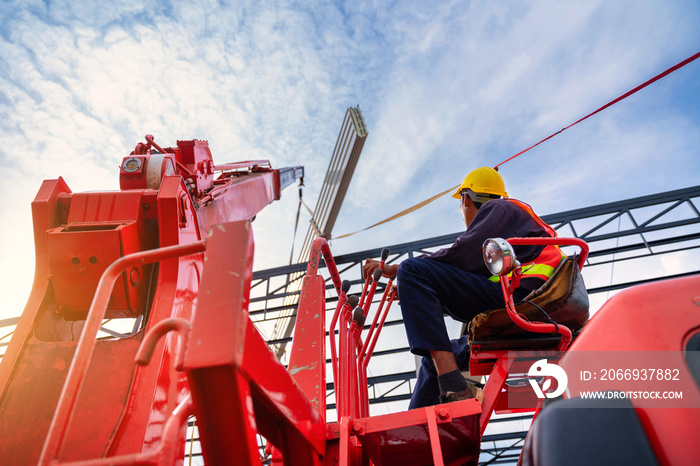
542,369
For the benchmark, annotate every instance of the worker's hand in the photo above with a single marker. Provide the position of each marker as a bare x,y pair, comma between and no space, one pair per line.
389,270
368,267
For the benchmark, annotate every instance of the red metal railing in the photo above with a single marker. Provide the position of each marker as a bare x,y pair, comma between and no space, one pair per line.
372,336
86,344
320,248
351,355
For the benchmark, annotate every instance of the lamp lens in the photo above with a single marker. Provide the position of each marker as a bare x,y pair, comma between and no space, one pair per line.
493,256
132,164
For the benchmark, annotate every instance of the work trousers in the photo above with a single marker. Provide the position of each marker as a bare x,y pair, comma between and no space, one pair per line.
428,290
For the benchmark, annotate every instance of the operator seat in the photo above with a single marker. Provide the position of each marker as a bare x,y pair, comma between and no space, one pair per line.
564,299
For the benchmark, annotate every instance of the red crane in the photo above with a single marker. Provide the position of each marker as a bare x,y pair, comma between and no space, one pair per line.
174,248
137,252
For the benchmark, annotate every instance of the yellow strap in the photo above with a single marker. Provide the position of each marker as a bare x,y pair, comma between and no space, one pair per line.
534,269
313,224
402,213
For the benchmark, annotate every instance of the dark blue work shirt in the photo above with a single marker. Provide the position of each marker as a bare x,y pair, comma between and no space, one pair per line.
497,218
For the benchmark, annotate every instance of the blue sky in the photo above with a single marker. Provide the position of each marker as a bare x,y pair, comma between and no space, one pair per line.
444,87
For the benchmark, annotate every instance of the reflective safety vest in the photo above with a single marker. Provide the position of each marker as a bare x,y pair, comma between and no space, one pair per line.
544,264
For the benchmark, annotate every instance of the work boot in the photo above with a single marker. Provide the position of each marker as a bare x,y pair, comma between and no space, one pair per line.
471,391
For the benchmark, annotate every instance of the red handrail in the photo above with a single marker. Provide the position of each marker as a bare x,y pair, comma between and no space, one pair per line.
86,344
555,241
339,363
320,247
148,345
342,299
368,347
349,361
370,332
167,453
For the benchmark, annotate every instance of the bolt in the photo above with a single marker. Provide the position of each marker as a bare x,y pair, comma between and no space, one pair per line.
357,427
443,414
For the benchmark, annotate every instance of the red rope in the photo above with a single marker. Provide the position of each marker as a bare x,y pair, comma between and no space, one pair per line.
612,102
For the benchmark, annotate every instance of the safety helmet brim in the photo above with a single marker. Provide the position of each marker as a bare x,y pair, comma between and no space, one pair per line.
484,180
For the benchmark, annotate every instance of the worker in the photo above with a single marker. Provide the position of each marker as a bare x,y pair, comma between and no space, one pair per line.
455,281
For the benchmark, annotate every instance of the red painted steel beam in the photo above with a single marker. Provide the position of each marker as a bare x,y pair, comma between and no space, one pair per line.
492,389
241,199
238,165
435,447
307,361
238,386
404,438
44,217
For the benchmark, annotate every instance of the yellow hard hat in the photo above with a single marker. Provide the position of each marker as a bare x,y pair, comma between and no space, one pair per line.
484,180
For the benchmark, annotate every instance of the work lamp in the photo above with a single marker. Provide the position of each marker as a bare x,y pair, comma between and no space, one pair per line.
499,256
131,164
